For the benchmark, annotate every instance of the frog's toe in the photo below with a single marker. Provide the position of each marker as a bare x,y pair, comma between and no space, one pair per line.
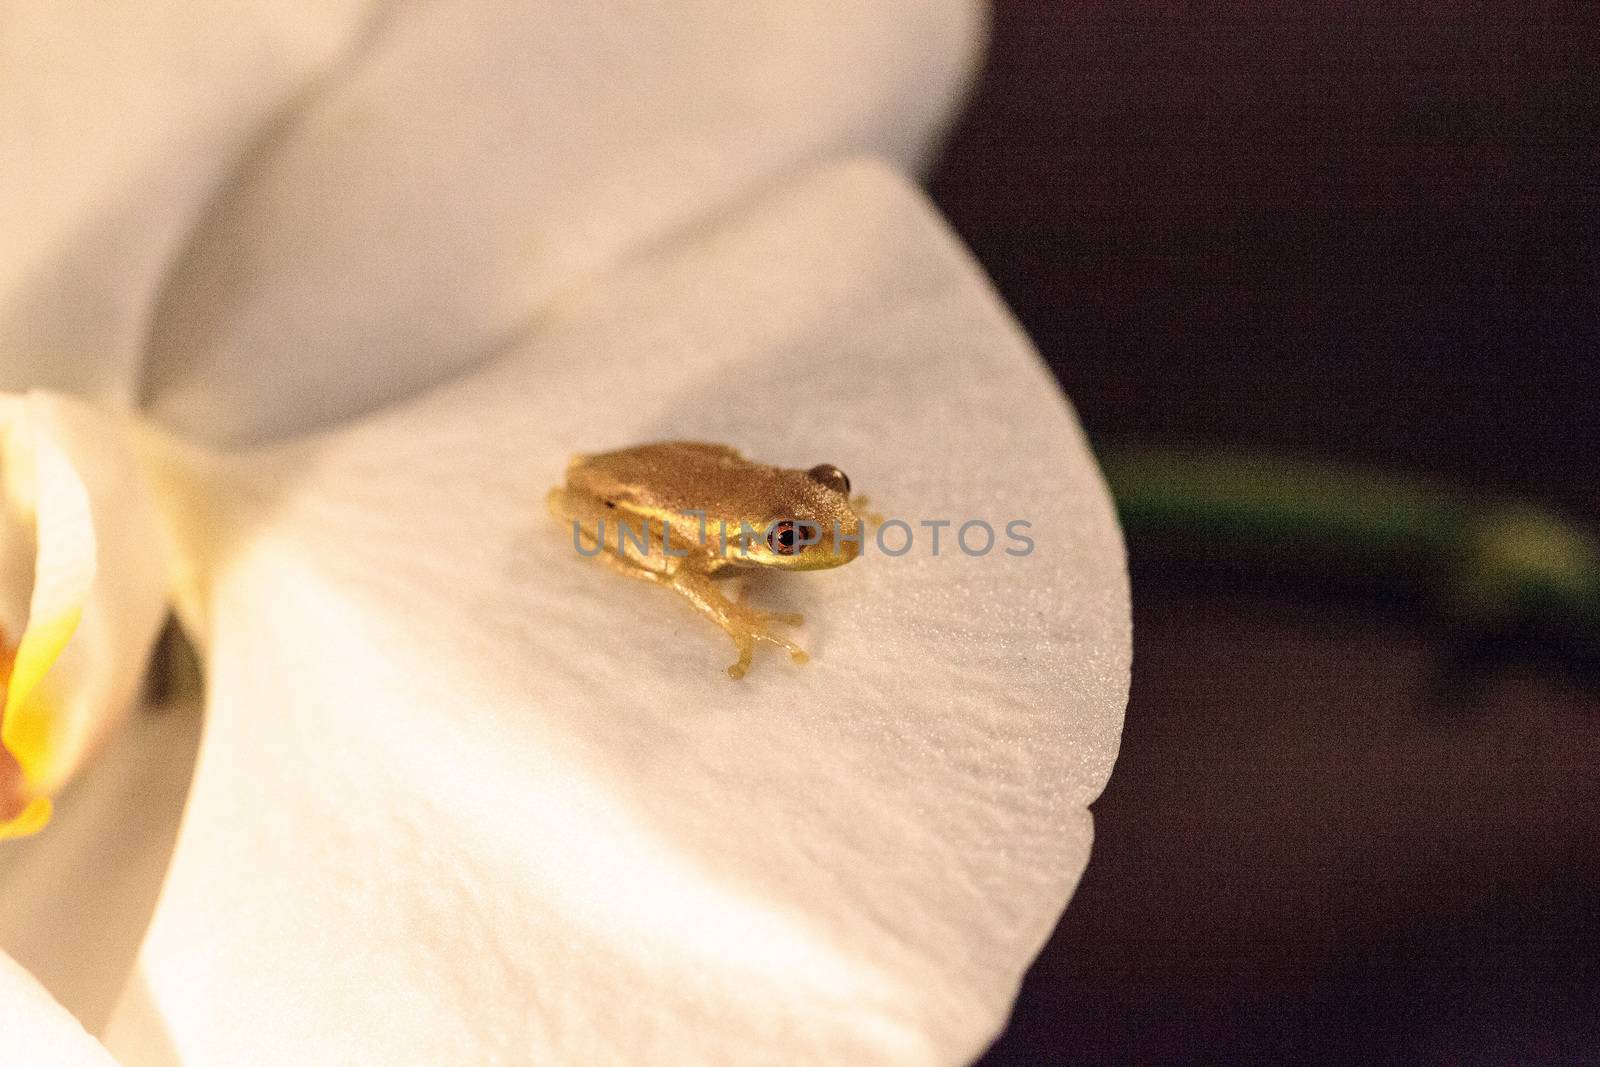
796,653
788,618
747,649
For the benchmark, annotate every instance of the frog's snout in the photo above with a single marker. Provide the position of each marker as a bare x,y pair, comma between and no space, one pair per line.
850,544
838,544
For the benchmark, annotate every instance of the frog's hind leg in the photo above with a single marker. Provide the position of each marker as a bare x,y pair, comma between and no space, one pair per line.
632,570
594,550
746,625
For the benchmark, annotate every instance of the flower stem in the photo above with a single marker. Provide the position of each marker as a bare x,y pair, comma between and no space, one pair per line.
1496,565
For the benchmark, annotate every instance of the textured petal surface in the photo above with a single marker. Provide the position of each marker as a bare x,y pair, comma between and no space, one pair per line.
38,1032
82,594
480,156
466,797
79,895
119,123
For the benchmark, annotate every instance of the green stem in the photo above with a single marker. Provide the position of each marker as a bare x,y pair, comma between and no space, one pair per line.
1490,563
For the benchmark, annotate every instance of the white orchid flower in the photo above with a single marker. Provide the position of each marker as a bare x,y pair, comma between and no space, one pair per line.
302,310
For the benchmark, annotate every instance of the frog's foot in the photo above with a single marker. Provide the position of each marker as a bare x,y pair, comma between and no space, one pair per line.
863,509
745,624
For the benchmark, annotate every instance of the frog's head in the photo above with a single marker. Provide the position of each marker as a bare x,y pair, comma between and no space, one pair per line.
813,529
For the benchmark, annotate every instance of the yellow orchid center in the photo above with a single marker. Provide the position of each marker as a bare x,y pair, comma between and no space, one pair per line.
47,565
20,814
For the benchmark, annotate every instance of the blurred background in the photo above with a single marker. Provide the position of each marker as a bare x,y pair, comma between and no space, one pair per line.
1357,808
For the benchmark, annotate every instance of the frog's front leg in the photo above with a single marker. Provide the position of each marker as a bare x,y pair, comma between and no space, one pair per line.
745,624
690,578
863,509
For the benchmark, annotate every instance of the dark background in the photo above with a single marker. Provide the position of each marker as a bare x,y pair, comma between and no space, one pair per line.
1359,233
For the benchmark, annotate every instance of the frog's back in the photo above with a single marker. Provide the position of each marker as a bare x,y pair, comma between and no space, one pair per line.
662,458
675,476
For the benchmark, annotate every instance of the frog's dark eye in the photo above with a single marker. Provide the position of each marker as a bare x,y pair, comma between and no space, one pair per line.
784,537
831,476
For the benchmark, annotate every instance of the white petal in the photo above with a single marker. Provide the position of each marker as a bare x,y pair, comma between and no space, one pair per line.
118,122
484,156
465,797
36,1031
79,895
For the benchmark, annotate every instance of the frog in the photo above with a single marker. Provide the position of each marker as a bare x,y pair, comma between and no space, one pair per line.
705,513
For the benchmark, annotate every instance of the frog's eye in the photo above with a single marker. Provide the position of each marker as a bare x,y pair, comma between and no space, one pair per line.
831,476
784,537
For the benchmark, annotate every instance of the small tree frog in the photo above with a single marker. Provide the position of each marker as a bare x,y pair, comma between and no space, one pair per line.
680,513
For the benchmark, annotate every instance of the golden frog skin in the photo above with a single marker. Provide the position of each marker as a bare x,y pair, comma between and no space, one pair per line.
704,510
